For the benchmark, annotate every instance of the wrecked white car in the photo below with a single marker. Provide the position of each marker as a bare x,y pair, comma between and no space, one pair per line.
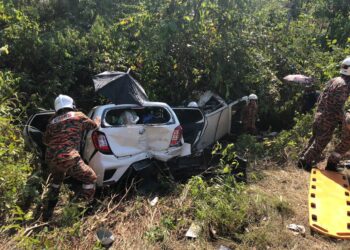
129,136
208,123
152,132
134,136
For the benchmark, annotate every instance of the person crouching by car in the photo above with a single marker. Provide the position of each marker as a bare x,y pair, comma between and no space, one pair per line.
62,138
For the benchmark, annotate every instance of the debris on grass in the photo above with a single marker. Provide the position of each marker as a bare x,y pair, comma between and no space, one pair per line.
154,201
105,236
222,247
297,229
213,232
194,231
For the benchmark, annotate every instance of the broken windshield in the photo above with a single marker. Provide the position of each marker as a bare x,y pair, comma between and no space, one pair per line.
130,116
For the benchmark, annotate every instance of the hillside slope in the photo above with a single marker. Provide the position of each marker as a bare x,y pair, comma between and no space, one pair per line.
281,194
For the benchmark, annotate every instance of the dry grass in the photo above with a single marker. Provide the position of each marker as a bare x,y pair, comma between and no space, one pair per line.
134,220
291,185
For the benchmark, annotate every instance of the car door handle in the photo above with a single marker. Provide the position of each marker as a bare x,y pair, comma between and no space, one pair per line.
142,130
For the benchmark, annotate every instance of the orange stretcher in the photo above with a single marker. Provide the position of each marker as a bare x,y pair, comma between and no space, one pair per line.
329,203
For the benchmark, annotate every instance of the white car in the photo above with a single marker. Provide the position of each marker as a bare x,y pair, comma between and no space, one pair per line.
134,136
120,142
151,132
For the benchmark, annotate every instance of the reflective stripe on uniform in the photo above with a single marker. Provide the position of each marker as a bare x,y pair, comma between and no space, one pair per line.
62,117
89,186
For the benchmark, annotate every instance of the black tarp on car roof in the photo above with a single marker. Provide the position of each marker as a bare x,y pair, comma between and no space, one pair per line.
119,88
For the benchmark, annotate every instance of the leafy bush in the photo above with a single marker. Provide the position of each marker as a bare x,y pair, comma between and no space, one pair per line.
288,144
14,161
248,147
155,234
160,232
221,203
228,206
169,45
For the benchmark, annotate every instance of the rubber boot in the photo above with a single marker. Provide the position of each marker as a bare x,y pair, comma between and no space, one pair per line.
333,161
331,166
50,203
302,164
87,192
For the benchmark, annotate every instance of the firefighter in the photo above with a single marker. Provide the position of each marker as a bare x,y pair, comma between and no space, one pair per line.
62,138
249,114
342,147
329,114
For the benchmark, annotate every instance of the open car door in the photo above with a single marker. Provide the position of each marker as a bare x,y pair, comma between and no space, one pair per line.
217,126
218,119
34,130
193,122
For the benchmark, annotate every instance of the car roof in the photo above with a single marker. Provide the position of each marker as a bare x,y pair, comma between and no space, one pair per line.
145,104
101,108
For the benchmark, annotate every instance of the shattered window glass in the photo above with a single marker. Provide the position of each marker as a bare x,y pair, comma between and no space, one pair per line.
134,116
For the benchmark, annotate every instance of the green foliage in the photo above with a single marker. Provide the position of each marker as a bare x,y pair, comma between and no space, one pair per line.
288,144
229,208
160,232
155,234
14,161
71,216
168,222
226,205
248,147
227,154
222,203
283,208
232,47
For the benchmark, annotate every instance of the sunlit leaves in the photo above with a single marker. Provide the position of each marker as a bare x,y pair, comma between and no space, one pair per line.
4,50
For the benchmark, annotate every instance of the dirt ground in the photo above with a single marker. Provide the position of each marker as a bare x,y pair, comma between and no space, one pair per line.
291,185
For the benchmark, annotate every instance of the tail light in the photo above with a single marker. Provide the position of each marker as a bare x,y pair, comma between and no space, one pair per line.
176,138
100,142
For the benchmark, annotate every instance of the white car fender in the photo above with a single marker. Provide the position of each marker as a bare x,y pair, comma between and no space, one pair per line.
186,149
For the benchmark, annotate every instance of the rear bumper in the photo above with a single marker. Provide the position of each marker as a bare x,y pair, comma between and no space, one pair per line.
172,152
101,163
